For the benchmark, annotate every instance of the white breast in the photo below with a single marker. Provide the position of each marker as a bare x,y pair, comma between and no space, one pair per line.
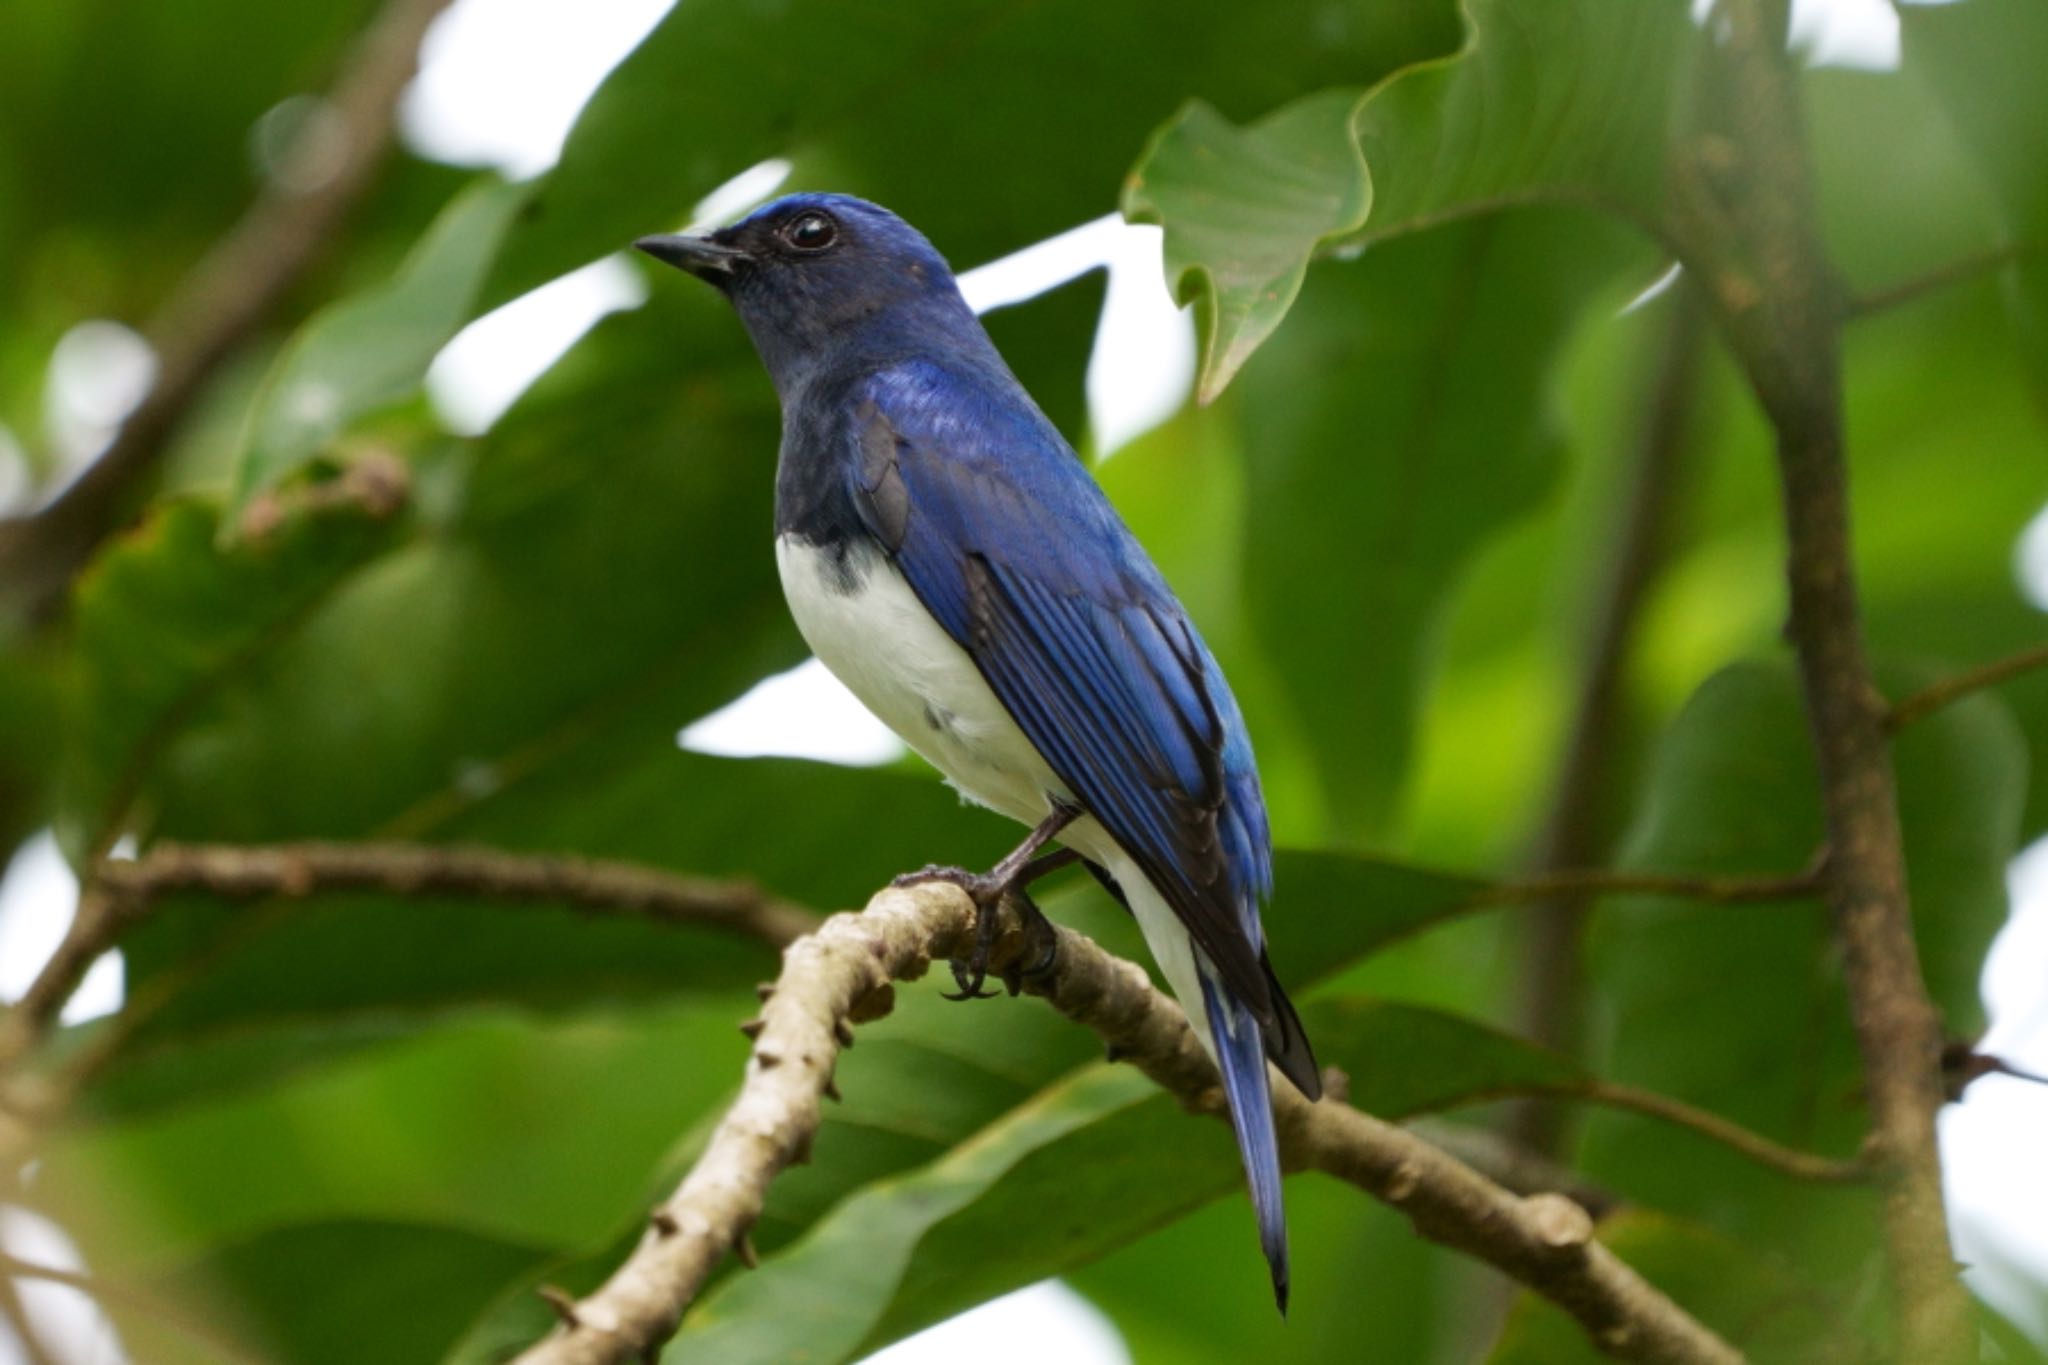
867,626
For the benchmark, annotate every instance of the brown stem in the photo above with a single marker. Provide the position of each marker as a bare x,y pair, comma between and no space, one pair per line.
224,299
1749,1143
842,974
1575,829
119,891
1586,883
1955,272
1747,222
1933,697
114,1294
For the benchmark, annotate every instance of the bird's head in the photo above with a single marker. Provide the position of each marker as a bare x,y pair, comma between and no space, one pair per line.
814,275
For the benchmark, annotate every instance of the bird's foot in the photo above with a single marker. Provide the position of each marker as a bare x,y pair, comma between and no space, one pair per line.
1042,947
987,890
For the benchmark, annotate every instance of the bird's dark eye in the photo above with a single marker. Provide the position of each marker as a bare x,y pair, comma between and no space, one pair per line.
811,232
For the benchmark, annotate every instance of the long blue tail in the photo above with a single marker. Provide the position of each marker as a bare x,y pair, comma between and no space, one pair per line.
1241,1055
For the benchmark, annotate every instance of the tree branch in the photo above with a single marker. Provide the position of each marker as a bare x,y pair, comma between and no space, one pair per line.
121,891
224,299
1749,1143
1933,697
1955,272
843,973
1746,221
1586,883
1576,826
113,1294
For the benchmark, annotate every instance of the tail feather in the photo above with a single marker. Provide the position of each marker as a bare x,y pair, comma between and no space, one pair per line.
1241,1055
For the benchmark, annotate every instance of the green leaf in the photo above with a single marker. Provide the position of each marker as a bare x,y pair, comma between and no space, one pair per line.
1592,85
1982,61
1403,421
1053,1183
871,100
1245,210
1763,1305
313,1293
373,349
166,613
1741,1009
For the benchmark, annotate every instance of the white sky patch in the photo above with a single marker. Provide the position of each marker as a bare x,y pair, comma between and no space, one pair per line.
1143,362
739,196
38,895
804,713
1854,33
2030,560
1047,1321
98,372
486,366
56,1313
502,81
1991,1142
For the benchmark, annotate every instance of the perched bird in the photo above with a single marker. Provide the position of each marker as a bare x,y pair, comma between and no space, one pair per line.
948,557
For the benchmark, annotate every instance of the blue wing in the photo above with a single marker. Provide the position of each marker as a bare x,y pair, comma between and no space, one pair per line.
1017,553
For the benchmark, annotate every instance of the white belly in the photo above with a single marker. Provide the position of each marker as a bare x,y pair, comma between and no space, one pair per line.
880,641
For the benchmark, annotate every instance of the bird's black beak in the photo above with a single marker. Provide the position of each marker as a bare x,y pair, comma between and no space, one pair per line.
701,256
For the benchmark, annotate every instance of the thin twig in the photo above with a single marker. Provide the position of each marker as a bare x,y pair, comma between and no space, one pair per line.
120,891
112,1293
843,973
1747,223
1933,697
1749,1143
1745,1142
1576,822
1584,883
223,300
1955,272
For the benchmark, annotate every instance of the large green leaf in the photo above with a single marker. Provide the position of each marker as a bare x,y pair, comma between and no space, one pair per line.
1741,1008
875,96
1761,1304
373,349
1982,61
535,1132
342,1291
1365,1286
166,613
1405,418
1052,1183
286,983
1592,86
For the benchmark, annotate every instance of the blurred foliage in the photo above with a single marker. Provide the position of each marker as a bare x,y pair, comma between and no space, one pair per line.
366,1126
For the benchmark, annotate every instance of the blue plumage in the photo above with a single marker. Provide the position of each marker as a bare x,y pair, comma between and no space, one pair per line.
948,556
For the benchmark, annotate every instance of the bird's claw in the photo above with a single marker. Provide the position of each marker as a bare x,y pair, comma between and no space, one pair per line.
980,885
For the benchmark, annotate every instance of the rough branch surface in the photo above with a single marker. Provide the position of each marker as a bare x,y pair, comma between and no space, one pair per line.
1753,233
119,891
842,974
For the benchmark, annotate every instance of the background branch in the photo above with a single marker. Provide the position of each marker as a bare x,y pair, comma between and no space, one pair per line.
1933,697
1575,828
119,891
1748,225
842,974
1955,272
225,298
